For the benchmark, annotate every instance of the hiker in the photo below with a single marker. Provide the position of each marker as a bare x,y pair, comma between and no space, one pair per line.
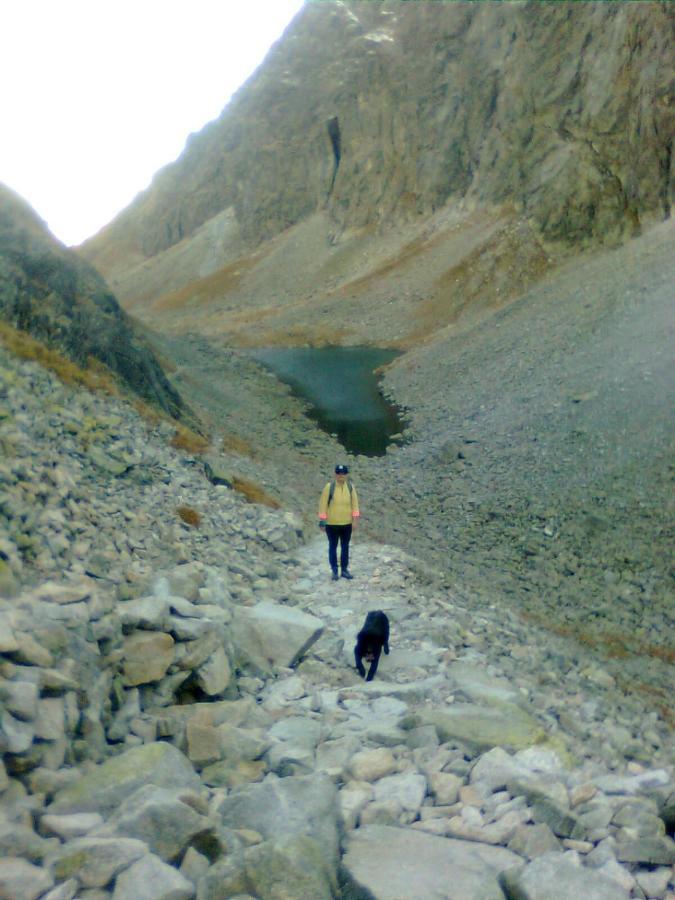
338,514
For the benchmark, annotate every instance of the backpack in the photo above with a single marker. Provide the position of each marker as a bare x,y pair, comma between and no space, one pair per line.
331,492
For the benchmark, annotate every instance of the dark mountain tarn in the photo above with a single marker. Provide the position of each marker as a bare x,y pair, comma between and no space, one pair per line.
342,386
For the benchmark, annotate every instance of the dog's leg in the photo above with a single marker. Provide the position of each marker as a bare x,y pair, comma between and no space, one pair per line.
359,664
373,666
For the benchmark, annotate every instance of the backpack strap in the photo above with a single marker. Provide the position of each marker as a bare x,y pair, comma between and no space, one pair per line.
331,492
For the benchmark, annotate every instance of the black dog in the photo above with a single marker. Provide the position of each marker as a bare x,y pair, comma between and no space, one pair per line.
370,641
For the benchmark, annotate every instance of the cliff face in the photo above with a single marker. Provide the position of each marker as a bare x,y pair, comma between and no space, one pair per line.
48,291
379,115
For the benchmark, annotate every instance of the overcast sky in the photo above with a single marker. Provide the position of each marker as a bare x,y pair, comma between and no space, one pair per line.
97,95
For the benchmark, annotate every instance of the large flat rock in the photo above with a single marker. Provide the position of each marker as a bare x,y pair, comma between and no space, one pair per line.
105,787
304,805
385,863
485,727
269,634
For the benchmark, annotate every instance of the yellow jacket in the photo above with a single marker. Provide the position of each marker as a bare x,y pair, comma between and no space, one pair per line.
343,507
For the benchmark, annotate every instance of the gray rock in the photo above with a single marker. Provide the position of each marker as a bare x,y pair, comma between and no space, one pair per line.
241,743
50,722
194,864
20,880
150,612
561,821
95,861
299,805
147,656
477,685
65,891
333,756
408,790
534,840
269,635
152,879
20,698
353,799
654,851
104,788
553,877
158,817
215,674
19,840
225,879
483,727
15,736
369,765
296,861
405,864
632,784
71,826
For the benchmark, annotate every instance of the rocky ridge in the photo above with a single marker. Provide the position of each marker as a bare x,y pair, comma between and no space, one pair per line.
180,715
505,134
51,293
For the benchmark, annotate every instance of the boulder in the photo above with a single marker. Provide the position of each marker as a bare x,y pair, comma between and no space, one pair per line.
408,790
483,727
480,687
105,787
21,879
158,817
554,877
305,805
369,765
268,635
147,656
294,861
152,879
19,840
215,674
404,864
96,860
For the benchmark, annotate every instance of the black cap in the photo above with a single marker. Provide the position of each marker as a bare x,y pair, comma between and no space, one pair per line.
341,470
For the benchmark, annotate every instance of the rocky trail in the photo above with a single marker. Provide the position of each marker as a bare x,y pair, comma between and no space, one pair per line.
180,714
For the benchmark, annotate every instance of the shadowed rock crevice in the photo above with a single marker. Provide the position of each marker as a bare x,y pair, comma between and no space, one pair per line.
336,143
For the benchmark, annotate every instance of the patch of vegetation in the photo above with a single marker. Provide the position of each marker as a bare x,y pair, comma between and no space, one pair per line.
234,444
190,516
189,441
95,377
254,493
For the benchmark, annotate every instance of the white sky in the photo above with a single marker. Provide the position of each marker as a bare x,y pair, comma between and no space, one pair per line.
97,95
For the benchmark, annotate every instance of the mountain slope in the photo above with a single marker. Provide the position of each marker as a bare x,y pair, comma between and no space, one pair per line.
51,293
373,125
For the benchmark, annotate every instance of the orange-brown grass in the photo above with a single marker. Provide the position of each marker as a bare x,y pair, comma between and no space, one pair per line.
189,515
254,493
362,283
234,444
189,441
488,278
207,289
151,415
292,336
613,646
658,697
95,377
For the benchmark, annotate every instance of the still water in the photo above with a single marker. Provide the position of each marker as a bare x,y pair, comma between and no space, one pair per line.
341,387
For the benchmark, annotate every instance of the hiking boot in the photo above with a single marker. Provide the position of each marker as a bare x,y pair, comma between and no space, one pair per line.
347,574
334,576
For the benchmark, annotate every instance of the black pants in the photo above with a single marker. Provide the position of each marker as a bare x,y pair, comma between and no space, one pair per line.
341,533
